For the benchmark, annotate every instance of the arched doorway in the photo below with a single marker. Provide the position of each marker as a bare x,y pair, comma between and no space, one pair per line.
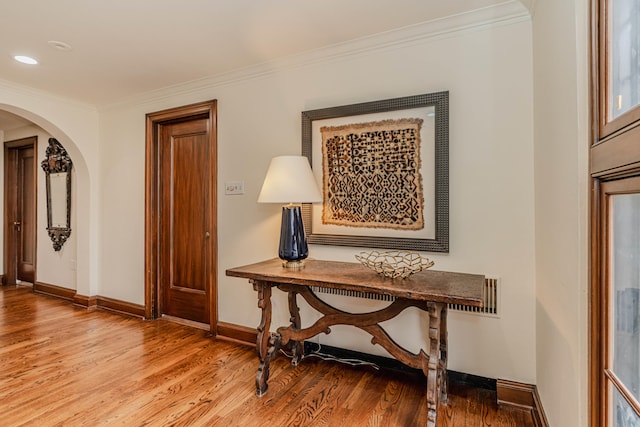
57,269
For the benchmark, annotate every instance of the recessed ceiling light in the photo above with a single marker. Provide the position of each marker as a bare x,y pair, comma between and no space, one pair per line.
59,45
25,59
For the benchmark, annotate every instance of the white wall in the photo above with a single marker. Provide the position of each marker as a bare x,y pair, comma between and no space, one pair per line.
561,42
491,178
54,268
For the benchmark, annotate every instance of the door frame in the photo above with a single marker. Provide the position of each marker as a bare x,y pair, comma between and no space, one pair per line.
154,121
10,187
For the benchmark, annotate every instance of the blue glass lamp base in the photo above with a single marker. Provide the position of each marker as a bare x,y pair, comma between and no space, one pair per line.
293,243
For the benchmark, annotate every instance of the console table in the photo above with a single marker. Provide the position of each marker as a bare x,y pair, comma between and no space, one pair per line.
428,290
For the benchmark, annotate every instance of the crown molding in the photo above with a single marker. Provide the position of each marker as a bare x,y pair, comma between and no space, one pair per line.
19,90
505,13
530,5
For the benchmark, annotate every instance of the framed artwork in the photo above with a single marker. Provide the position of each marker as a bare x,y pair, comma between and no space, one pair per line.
383,168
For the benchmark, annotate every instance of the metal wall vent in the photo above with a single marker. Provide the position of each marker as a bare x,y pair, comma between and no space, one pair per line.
355,294
490,296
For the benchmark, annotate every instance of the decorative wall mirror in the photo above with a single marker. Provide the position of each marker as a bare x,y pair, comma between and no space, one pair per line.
57,165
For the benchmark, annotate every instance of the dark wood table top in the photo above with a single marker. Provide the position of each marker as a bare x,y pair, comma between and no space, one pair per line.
427,285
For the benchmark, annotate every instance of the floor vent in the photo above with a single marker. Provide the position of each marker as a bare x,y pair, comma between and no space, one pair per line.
490,296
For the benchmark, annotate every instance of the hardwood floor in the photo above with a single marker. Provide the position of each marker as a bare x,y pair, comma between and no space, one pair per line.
62,365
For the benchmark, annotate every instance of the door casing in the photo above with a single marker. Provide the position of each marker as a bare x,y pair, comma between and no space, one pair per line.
154,121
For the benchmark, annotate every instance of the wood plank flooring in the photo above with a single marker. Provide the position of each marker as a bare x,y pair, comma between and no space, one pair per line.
62,365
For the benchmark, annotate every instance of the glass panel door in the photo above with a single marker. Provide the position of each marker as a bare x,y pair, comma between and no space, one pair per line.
614,316
624,60
622,370
618,65
622,415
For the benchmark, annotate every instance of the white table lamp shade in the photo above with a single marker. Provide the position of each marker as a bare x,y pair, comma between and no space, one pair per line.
289,179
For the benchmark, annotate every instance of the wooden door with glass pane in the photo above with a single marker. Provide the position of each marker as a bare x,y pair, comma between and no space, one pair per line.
620,299
619,64
615,238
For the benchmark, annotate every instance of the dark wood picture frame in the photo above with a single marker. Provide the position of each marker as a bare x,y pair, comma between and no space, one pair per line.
440,102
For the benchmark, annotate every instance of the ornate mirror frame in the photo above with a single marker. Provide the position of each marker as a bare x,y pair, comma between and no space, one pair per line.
57,165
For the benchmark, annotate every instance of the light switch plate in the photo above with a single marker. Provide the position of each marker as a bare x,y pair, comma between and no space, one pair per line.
234,187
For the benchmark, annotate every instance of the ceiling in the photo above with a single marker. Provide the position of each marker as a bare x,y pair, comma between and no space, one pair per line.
10,121
120,48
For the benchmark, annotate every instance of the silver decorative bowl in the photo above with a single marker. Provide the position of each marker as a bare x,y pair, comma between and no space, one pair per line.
394,263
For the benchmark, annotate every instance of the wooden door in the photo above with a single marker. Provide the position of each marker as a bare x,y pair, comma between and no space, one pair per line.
180,214
184,217
20,210
614,315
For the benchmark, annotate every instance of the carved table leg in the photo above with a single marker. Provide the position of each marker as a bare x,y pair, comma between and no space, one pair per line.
444,384
296,346
266,344
434,367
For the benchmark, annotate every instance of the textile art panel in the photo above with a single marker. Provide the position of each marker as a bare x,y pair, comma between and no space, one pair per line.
371,175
